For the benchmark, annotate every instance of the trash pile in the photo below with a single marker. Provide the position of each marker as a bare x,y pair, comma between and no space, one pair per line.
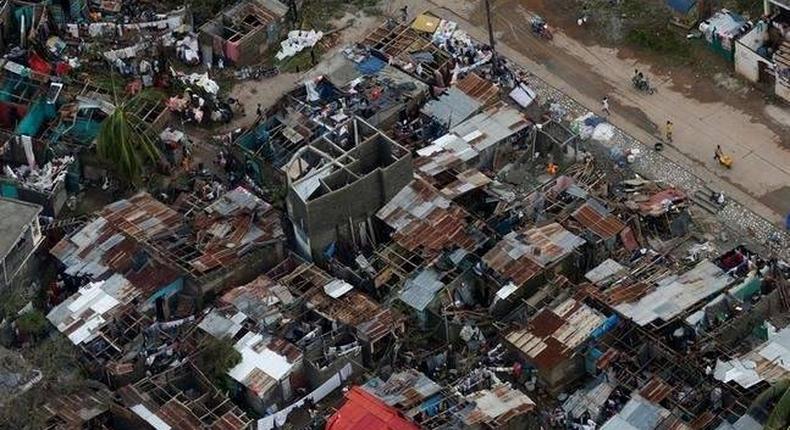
43,179
199,103
591,126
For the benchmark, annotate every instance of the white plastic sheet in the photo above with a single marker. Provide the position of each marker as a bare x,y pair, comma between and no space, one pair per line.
203,81
297,41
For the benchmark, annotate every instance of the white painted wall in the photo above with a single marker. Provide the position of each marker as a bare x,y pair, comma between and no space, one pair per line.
746,59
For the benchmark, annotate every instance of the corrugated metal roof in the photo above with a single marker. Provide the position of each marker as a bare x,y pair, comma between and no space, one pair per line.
404,390
495,406
418,292
78,408
142,216
676,293
231,226
555,334
770,362
637,414
452,107
745,422
447,152
221,324
261,299
236,200
265,361
602,272
482,90
514,266
520,256
589,400
466,181
363,410
656,390
657,203
424,219
81,316
491,126
598,219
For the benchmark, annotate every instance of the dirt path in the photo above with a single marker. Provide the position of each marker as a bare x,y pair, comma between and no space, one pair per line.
753,132
267,91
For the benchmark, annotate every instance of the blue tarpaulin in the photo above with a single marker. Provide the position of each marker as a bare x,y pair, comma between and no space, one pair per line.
431,405
329,251
605,327
591,360
371,66
681,6
593,121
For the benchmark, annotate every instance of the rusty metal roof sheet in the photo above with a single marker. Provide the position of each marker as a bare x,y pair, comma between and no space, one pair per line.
495,406
403,390
424,219
597,218
519,270
675,293
656,390
142,216
520,256
234,224
656,204
354,309
555,334
109,244
552,242
76,409
465,181
261,299
83,314
483,90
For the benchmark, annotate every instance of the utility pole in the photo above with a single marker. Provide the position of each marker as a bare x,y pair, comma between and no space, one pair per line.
491,40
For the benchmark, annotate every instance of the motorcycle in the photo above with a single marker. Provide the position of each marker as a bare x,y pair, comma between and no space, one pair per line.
540,28
642,85
256,73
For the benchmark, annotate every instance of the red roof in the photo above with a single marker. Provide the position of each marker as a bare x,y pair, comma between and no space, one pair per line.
363,411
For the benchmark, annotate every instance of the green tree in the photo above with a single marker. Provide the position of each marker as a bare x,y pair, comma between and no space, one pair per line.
123,143
32,323
216,358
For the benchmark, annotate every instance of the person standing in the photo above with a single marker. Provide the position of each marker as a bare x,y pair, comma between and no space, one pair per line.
404,14
605,106
668,131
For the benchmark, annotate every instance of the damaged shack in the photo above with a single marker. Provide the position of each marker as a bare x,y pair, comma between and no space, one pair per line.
243,32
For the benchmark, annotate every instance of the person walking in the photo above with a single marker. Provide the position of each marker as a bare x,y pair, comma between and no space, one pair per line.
404,14
605,106
259,111
668,131
718,153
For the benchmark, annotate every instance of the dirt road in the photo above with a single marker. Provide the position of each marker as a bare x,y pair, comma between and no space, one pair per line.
758,139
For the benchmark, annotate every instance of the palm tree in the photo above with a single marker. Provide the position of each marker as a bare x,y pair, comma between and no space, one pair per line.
122,141
778,392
